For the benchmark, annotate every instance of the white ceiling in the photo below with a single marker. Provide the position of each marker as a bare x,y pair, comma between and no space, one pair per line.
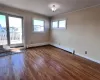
41,6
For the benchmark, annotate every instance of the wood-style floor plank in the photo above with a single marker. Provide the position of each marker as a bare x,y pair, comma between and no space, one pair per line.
47,63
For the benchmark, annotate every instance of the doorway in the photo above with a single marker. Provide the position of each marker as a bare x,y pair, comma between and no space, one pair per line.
11,30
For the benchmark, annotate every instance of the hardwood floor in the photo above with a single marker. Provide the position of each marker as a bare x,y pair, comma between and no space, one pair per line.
47,63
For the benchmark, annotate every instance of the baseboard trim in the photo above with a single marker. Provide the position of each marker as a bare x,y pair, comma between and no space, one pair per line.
61,47
88,58
37,44
71,51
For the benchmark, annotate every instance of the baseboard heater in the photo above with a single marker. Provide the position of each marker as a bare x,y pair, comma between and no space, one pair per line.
63,48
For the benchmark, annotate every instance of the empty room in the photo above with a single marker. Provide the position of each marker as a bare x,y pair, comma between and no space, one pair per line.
49,39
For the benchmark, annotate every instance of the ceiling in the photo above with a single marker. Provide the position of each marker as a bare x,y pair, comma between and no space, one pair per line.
41,6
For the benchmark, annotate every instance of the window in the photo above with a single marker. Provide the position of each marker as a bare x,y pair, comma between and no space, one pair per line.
62,24
55,24
59,24
11,33
38,25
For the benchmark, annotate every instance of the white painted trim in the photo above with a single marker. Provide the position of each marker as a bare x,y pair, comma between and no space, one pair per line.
62,47
37,44
97,61
71,50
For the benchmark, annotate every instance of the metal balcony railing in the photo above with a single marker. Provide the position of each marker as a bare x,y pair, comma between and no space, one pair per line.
15,37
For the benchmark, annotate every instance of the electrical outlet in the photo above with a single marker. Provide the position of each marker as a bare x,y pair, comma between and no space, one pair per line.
85,52
73,51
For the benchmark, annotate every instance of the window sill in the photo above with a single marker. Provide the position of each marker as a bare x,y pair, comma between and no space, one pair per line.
38,32
58,28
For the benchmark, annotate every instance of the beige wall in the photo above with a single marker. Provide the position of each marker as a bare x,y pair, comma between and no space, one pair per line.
29,36
82,33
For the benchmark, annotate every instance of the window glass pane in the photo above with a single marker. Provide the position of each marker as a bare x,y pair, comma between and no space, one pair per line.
3,30
38,25
38,28
62,24
15,30
55,24
39,22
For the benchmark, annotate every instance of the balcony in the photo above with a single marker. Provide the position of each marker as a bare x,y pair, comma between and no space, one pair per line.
15,38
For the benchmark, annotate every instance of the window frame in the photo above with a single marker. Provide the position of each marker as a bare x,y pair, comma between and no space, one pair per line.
43,26
65,24
7,25
58,24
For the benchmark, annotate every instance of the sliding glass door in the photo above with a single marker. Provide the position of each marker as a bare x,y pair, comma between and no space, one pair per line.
15,30
11,30
3,30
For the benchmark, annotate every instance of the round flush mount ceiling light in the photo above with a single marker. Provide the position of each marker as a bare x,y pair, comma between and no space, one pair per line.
54,6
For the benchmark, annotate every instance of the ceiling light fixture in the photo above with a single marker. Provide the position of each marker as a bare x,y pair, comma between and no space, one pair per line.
54,6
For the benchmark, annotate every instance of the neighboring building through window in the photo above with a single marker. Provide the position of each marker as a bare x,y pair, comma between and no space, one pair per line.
38,25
